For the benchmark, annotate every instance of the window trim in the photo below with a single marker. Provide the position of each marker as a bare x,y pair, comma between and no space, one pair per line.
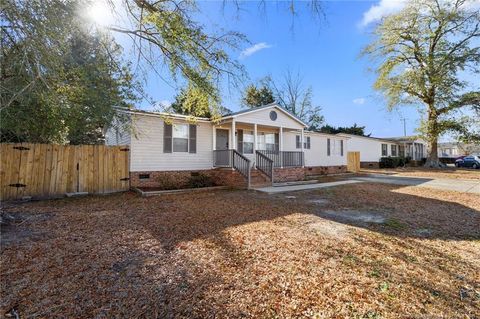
188,137
386,149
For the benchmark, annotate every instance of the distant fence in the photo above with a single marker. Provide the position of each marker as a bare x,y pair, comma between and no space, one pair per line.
353,162
44,170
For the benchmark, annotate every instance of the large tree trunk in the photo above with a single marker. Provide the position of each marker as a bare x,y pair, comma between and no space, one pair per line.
432,134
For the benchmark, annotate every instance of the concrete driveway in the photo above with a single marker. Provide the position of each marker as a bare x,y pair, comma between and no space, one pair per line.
459,185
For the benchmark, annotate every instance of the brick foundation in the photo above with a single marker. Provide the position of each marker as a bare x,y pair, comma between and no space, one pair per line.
179,179
288,174
325,170
370,164
227,176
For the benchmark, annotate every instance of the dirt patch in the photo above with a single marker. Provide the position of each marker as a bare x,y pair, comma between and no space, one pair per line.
355,216
318,201
18,227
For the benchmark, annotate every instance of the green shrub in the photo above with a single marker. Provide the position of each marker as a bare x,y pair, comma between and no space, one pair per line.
200,180
392,162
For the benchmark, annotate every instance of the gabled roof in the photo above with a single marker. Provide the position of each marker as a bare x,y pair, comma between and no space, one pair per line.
263,107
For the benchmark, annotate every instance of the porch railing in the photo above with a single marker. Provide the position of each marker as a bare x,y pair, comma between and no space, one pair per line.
285,158
264,164
232,158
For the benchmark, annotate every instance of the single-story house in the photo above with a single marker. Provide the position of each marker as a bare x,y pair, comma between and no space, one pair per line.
372,149
260,145
456,149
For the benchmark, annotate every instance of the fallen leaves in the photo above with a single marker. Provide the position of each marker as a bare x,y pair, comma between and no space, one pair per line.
245,254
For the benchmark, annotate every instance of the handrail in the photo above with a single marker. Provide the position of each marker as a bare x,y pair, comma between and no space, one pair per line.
264,164
232,158
284,158
242,165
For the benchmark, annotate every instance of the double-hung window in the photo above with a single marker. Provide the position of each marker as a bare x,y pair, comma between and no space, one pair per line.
394,150
328,147
384,149
247,142
306,144
180,137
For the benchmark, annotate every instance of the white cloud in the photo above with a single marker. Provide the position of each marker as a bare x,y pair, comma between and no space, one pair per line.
380,10
359,100
254,49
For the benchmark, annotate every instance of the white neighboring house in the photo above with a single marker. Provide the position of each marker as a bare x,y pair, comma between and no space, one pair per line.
264,144
455,149
372,149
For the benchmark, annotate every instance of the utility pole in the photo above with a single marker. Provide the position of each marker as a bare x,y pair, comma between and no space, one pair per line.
404,120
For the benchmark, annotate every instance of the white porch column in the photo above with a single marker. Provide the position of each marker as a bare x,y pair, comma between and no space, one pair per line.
214,138
233,137
280,145
254,138
302,139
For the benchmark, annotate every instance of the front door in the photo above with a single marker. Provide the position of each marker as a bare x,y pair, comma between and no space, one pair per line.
222,155
222,139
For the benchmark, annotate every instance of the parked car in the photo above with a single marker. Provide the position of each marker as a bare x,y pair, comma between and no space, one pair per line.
468,161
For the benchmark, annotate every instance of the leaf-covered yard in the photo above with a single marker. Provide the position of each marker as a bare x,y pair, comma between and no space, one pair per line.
355,251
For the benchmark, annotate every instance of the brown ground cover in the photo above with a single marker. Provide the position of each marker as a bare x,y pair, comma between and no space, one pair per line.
450,172
355,251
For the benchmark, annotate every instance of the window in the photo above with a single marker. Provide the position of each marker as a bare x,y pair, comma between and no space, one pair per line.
143,176
270,142
341,148
394,150
248,142
384,149
267,141
328,147
298,142
180,137
306,144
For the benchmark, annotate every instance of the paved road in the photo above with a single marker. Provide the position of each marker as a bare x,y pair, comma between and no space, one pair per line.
459,185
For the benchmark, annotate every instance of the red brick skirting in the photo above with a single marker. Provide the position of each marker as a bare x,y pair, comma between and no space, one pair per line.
370,164
179,179
226,176
325,170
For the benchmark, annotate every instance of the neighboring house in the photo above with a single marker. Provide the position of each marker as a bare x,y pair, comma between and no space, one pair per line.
456,149
372,149
259,145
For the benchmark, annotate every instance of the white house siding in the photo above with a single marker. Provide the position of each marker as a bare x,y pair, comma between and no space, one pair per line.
317,154
147,148
370,149
262,117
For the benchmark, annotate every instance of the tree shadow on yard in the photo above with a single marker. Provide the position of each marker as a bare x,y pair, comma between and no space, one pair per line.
241,254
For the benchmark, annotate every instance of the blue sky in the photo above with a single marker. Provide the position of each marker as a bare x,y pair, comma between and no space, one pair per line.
326,54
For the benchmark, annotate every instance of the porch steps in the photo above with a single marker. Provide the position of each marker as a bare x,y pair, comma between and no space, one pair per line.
258,179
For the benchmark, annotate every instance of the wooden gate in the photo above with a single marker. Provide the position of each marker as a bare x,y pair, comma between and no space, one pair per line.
353,161
44,170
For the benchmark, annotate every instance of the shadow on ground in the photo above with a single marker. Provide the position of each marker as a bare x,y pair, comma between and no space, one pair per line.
245,254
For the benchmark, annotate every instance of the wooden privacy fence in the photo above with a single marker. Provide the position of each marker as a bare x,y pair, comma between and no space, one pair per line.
44,170
353,162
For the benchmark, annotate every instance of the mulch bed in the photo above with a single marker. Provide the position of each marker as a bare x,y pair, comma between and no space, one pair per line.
229,254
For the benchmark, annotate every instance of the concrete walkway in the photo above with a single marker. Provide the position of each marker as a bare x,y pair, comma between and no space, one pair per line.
302,187
459,185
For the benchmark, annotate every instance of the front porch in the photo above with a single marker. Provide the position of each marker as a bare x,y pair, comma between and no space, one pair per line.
284,146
